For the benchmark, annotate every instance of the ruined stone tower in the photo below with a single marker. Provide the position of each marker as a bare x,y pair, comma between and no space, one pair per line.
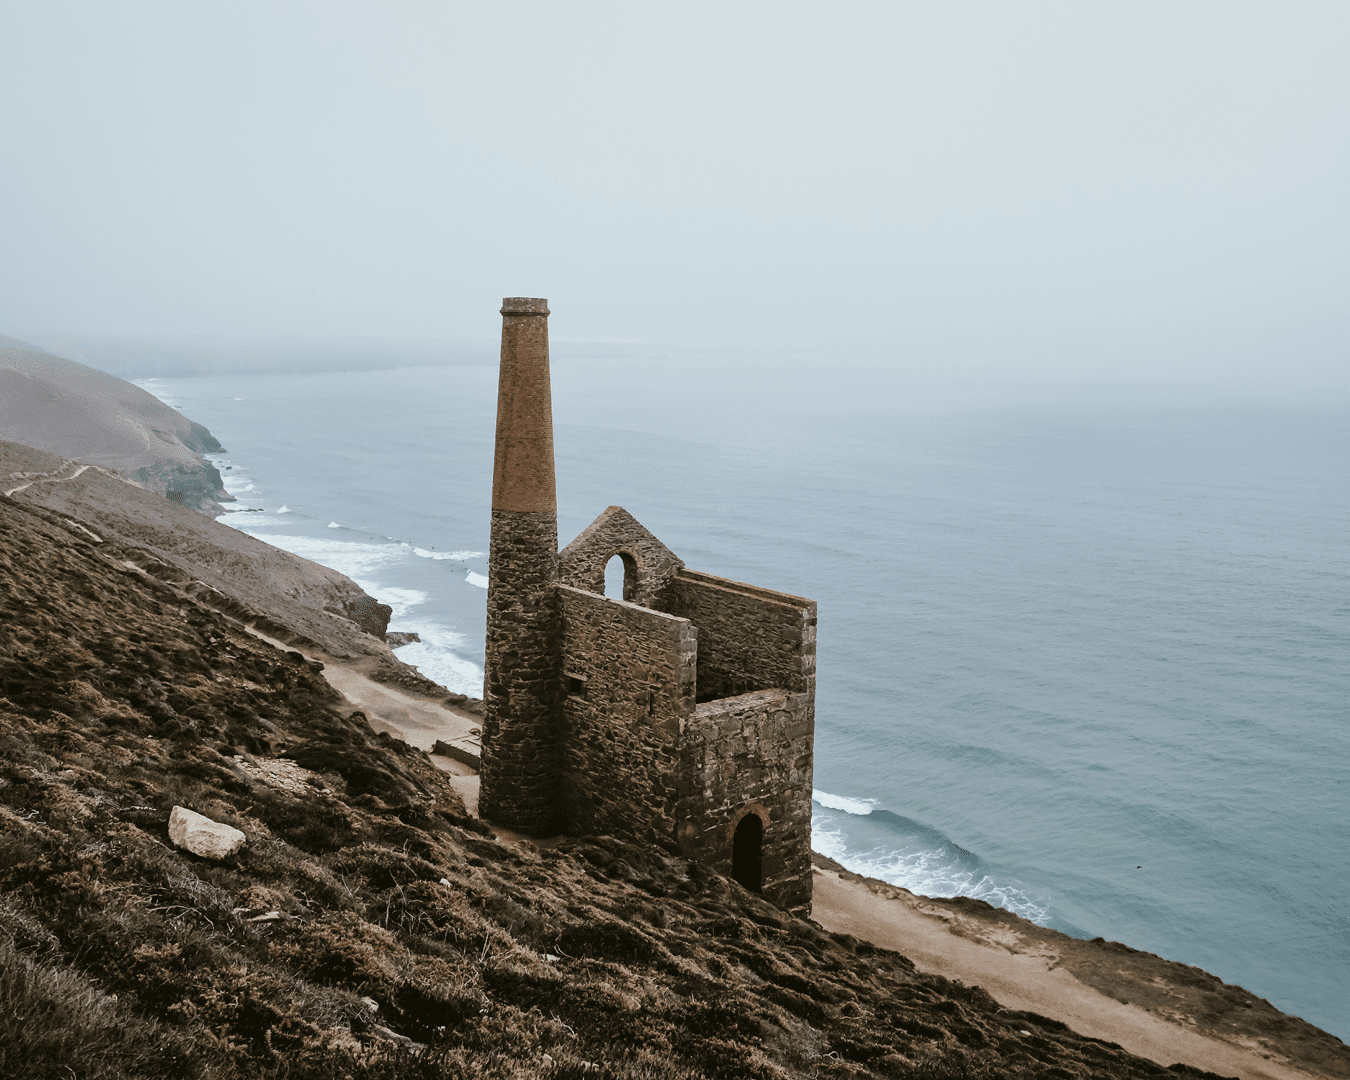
520,692
681,715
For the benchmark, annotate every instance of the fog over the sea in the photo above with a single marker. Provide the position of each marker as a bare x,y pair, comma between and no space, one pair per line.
1152,192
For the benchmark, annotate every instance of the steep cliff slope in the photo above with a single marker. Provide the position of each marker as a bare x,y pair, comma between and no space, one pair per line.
280,593
79,412
368,928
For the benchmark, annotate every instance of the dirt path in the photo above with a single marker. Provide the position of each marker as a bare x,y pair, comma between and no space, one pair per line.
1026,975
50,479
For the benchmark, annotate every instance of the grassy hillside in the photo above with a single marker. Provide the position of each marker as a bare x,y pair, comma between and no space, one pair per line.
369,928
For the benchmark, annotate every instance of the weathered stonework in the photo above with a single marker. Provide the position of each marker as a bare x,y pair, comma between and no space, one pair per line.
749,638
630,684
751,754
648,564
682,715
519,777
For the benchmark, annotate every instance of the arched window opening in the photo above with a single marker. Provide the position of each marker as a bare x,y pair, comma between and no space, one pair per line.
746,849
614,575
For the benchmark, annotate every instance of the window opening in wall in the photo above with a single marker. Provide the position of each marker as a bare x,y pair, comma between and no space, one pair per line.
615,572
576,685
746,849
621,577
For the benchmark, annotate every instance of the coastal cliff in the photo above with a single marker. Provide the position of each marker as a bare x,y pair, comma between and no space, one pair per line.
369,927
372,926
76,411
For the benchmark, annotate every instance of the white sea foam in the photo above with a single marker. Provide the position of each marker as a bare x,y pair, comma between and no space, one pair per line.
334,525
244,520
435,656
927,872
401,600
285,510
238,484
843,802
456,556
355,560
476,579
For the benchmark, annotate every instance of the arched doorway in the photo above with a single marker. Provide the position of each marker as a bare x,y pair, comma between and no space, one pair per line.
746,848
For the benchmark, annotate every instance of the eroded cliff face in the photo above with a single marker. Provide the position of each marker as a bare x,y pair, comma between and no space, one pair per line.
78,412
368,928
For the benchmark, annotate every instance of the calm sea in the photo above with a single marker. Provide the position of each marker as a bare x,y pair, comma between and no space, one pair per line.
1085,659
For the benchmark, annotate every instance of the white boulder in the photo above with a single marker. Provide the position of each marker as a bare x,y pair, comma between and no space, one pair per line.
202,836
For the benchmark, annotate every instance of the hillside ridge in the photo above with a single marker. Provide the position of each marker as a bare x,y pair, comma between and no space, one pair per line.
76,411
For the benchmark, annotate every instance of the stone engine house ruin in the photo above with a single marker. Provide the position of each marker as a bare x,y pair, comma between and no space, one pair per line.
682,715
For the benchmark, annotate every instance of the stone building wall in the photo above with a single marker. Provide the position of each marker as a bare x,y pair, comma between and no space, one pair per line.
749,638
751,754
519,785
648,563
628,676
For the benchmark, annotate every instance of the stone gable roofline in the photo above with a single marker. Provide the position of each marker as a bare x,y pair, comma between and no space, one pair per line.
648,563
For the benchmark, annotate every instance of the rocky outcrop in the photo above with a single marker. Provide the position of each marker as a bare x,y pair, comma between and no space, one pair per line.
77,412
369,614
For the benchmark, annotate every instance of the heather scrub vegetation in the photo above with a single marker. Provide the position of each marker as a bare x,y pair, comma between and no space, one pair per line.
369,927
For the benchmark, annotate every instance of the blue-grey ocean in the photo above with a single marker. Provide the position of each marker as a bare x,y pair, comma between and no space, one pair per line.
1087,658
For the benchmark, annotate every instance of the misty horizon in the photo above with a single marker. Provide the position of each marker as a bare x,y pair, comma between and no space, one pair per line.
1050,196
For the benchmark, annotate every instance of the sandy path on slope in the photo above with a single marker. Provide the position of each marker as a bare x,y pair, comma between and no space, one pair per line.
1028,981
415,720
52,480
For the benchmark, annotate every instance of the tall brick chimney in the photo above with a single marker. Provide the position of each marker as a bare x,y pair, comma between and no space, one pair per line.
522,677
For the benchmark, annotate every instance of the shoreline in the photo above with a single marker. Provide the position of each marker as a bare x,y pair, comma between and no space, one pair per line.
1282,961
1159,1009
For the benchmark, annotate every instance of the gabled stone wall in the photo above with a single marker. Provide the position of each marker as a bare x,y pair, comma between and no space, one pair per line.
628,681
648,563
751,754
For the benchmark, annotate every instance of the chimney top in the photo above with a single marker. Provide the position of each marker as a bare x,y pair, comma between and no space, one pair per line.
524,305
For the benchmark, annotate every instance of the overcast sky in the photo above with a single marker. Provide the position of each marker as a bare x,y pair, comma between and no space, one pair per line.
1072,189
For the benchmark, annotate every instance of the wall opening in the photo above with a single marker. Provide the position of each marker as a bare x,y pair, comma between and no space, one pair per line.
746,849
620,577
614,578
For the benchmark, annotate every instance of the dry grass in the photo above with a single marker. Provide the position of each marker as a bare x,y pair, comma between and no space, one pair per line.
370,929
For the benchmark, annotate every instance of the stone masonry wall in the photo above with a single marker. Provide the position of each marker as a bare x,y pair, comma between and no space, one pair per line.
748,638
751,754
648,563
629,685
521,688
